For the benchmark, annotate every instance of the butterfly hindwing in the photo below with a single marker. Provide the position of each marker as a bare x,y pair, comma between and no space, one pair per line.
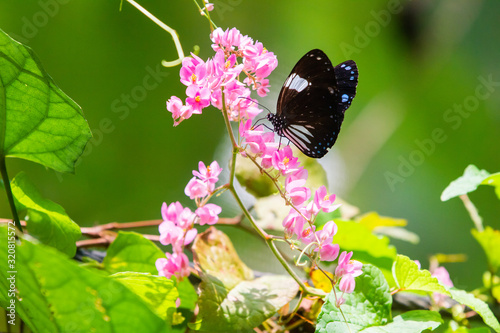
312,102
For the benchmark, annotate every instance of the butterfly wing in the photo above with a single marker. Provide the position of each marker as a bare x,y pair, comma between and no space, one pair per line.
313,100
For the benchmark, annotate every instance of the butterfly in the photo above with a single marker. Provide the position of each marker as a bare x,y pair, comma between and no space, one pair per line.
312,102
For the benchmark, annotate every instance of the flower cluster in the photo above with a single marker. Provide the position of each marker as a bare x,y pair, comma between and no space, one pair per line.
177,228
208,82
217,82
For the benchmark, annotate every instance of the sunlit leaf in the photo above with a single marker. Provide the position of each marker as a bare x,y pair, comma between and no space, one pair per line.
132,252
468,182
367,247
409,322
47,221
55,294
493,180
369,305
489,239
409,277
38,122
478,306
158,292
231,300
372,221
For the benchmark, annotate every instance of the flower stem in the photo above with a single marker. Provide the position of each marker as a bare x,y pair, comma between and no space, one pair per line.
474,215
8,191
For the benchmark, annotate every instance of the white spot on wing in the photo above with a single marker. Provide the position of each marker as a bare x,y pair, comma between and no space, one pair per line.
296,83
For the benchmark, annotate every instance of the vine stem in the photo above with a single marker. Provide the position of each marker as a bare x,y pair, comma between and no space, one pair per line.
8,191
165,27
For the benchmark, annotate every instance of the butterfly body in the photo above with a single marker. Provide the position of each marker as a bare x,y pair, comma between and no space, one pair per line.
312,102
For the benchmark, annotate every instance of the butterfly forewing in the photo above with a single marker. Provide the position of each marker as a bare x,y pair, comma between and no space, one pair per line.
312,102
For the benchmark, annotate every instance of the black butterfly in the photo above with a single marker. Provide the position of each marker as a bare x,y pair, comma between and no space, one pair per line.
312,102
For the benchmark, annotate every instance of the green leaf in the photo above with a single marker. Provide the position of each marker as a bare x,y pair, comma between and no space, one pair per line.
368,248
493,180
409,322
132,252
369,305
230,300
47,221
489,239
478,306
188,298
38,122
409,277
55,294
468,182
158,292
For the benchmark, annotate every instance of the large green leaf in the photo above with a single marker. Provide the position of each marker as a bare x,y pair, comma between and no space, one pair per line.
47,221
156,291
369,305
468,182
132,252
478,306
231,300
38,122
409,277
54,294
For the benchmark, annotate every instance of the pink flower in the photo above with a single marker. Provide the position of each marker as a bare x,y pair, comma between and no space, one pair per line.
307,235
208,214
196,188
322,201
443,276
208,174
193,71
284,161
171,212
226,39
176,229
347,283
175,264
294,223
174,105
348,266
175,213
296,190
329,252
263,87
198,99
326,234
170,234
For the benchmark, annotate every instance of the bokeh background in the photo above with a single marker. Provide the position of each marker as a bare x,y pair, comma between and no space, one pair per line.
419,62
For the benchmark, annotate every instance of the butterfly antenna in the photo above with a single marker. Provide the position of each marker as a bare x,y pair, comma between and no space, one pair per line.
252,100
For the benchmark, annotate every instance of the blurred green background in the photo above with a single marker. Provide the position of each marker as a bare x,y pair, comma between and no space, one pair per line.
419,62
